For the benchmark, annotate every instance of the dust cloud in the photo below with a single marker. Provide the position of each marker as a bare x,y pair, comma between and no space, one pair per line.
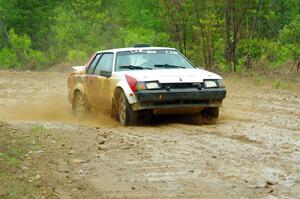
53,108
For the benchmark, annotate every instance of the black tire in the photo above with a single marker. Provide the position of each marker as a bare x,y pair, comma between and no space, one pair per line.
80,106
210,115
114,110
126,115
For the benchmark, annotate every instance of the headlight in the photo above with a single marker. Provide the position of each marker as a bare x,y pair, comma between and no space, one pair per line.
139,86
221,83
210,84
152,85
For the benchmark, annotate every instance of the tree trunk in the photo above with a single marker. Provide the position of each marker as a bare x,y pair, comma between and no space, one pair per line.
6,33
228,21
233,20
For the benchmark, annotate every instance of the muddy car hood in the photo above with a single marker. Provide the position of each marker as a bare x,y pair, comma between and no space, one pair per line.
172,75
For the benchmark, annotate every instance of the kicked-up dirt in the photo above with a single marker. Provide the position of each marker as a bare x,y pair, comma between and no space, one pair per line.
252,152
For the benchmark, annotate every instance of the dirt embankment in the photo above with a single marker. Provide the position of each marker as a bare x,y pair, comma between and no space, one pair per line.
253,151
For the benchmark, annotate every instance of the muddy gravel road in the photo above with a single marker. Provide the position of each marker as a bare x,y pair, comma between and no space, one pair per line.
252,152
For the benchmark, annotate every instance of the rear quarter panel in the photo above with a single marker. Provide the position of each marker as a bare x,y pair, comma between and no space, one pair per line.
75,82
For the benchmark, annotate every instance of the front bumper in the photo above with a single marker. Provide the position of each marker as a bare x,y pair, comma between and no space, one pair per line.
179,98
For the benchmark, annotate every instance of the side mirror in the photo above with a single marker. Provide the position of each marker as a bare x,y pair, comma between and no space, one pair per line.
105,73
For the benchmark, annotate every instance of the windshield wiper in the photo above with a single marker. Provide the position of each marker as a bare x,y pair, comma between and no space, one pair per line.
132,67
167,66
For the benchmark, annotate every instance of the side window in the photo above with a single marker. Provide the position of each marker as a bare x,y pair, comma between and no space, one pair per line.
93,64
105,63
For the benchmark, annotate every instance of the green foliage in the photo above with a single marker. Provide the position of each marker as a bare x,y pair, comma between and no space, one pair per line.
8,58
20,43
291,32
223,67
141,35
21,53
251,47
36,59
214,34
271,50
290,36
11,160
209,37
76,56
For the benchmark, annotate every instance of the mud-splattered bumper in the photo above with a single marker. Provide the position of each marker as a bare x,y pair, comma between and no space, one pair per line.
179,98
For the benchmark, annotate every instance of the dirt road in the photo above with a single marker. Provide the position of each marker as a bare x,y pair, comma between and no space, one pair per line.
253,151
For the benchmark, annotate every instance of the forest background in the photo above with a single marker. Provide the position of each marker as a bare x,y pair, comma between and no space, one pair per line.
260,36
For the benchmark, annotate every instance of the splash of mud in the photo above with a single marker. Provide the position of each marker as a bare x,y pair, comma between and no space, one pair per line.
53,108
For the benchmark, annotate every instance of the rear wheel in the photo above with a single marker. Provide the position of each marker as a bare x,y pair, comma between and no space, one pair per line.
126,115
80,106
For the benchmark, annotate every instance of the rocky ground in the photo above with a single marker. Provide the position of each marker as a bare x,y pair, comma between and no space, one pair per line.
252,152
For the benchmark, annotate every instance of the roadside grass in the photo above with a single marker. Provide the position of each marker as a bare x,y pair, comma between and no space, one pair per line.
274,83
235,78
15,182
14,188
280,84
259,80
38,129
10,159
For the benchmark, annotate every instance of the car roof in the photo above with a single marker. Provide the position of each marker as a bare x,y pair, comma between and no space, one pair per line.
135,48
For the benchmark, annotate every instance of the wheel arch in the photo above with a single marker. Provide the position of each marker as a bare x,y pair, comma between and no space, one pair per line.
79,87
129,94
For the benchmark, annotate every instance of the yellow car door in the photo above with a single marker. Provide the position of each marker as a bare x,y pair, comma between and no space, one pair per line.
103,71
91,80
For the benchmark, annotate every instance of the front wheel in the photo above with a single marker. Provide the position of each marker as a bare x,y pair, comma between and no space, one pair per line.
208,115
126,115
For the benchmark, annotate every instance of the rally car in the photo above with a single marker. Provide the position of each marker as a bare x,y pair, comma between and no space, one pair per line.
141,81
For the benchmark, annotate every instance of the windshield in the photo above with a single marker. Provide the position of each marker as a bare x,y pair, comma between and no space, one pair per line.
150,59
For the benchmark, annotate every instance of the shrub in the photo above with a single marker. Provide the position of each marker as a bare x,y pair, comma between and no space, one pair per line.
23,56
36,59
290,36
8,58
250,46
76,56
20,43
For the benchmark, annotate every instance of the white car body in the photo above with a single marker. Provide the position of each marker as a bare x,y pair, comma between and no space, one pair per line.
164,76
107,84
